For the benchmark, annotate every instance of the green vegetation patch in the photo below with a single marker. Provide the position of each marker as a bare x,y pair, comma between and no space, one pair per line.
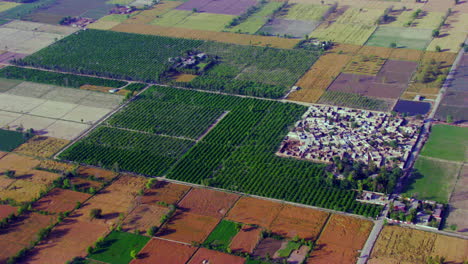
171,18
447,142
433,179
354,101
117,246
409,38
9,140
344,33
254,22
205,21
222,235
54,78
307,12
135,87
290,247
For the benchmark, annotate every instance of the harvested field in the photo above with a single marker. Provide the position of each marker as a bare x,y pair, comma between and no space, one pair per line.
197,21
365,64
314,82
225,37
330,253
412,108
427,20
267,246
22,232
43,147
415,246
162,251
459,202
117,247
207,202
341,48
146,16
406,54
66,241
18,163
55,166
452,33
362,16
7,84
410,38
372,51
355,101
246,240
217,7
294,28
298,221
100,174
254,211
22,191
188,228
356,34
166,192
144,217
446,58
60,201
185,77
306,12
345,231
212,256
6,210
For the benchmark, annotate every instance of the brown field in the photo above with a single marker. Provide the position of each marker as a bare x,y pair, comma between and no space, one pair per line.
345,231
166,192
22,191
330,253
144,217
226,37
101,174
314,82
102,89
18,163
246,240
6,210
341,48
40,146
365,64
2,154
60,200
66,241
8,249
375,51
83,184
185,77
23,231
254,211
56,166
447,58
146,16
188,228
403,245
406,54
268,246
207,202
303,222
214,257
162,251
4,181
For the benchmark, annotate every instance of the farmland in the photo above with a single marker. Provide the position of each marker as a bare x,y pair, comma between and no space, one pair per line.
9,140
446,142
409,38
354,101
344,33
222,235
43,147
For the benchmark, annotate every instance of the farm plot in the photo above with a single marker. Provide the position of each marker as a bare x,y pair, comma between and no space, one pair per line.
158,250
164,192
452,33
412,108
7,210
306,12
222,235
188,228
66,241
59,200
98,174
415,246
254,211
246,240
432,179
223,37
191,20
331,253
6,57
365,64
406,54
353,100
218,7
117,246
61,8
426,20
7,84
447,142
9,140
40,146
315,81
212,256
289,27
255,21
144,217
207,202
18,236
297,221
410,38
7,5
267,247
363,16
356,34
148,15
458,202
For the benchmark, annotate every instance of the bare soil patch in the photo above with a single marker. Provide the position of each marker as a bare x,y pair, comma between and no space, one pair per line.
345,231
166,192
6,210
163,251
267,246
144,217
207,202
330,253
246,240
101,174
60,200
254,211
212,256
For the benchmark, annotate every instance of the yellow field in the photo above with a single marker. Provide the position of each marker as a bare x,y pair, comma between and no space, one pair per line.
452,34
406,54
103,25
7,5
146,16
56,166
225,37
185,77
43,147
314,82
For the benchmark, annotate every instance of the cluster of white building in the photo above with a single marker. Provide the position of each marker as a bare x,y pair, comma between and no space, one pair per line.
328,131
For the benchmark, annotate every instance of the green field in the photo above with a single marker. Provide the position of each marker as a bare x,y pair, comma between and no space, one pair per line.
430,20
434,179
362,16
254,22
448,143
306,12
344,33
409,38
290,247
222,235
193,20
9,140
117,246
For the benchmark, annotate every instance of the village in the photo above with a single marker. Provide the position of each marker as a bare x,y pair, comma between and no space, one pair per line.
329,131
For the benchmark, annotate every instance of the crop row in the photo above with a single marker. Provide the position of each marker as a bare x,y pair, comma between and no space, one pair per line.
354,101
54,78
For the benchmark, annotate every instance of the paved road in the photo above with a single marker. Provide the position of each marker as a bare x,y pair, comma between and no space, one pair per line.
367,249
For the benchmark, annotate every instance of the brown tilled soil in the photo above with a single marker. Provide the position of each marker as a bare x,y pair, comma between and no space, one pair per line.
162,251
144,217
267,246
207,202
212,256
6,210
346,231
246,240
254,211
60,200
166,192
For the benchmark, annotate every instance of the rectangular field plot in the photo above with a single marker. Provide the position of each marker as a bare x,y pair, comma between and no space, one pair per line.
363,16
306,12
218,7
344,33
289,27
61,8
9,140
163,251
355,101
412,108
222,235
188,19
207,202
59,200
254,22
164,192
410,38
447,142
246,240
458,202
212,256
144,217
254,212
116,247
